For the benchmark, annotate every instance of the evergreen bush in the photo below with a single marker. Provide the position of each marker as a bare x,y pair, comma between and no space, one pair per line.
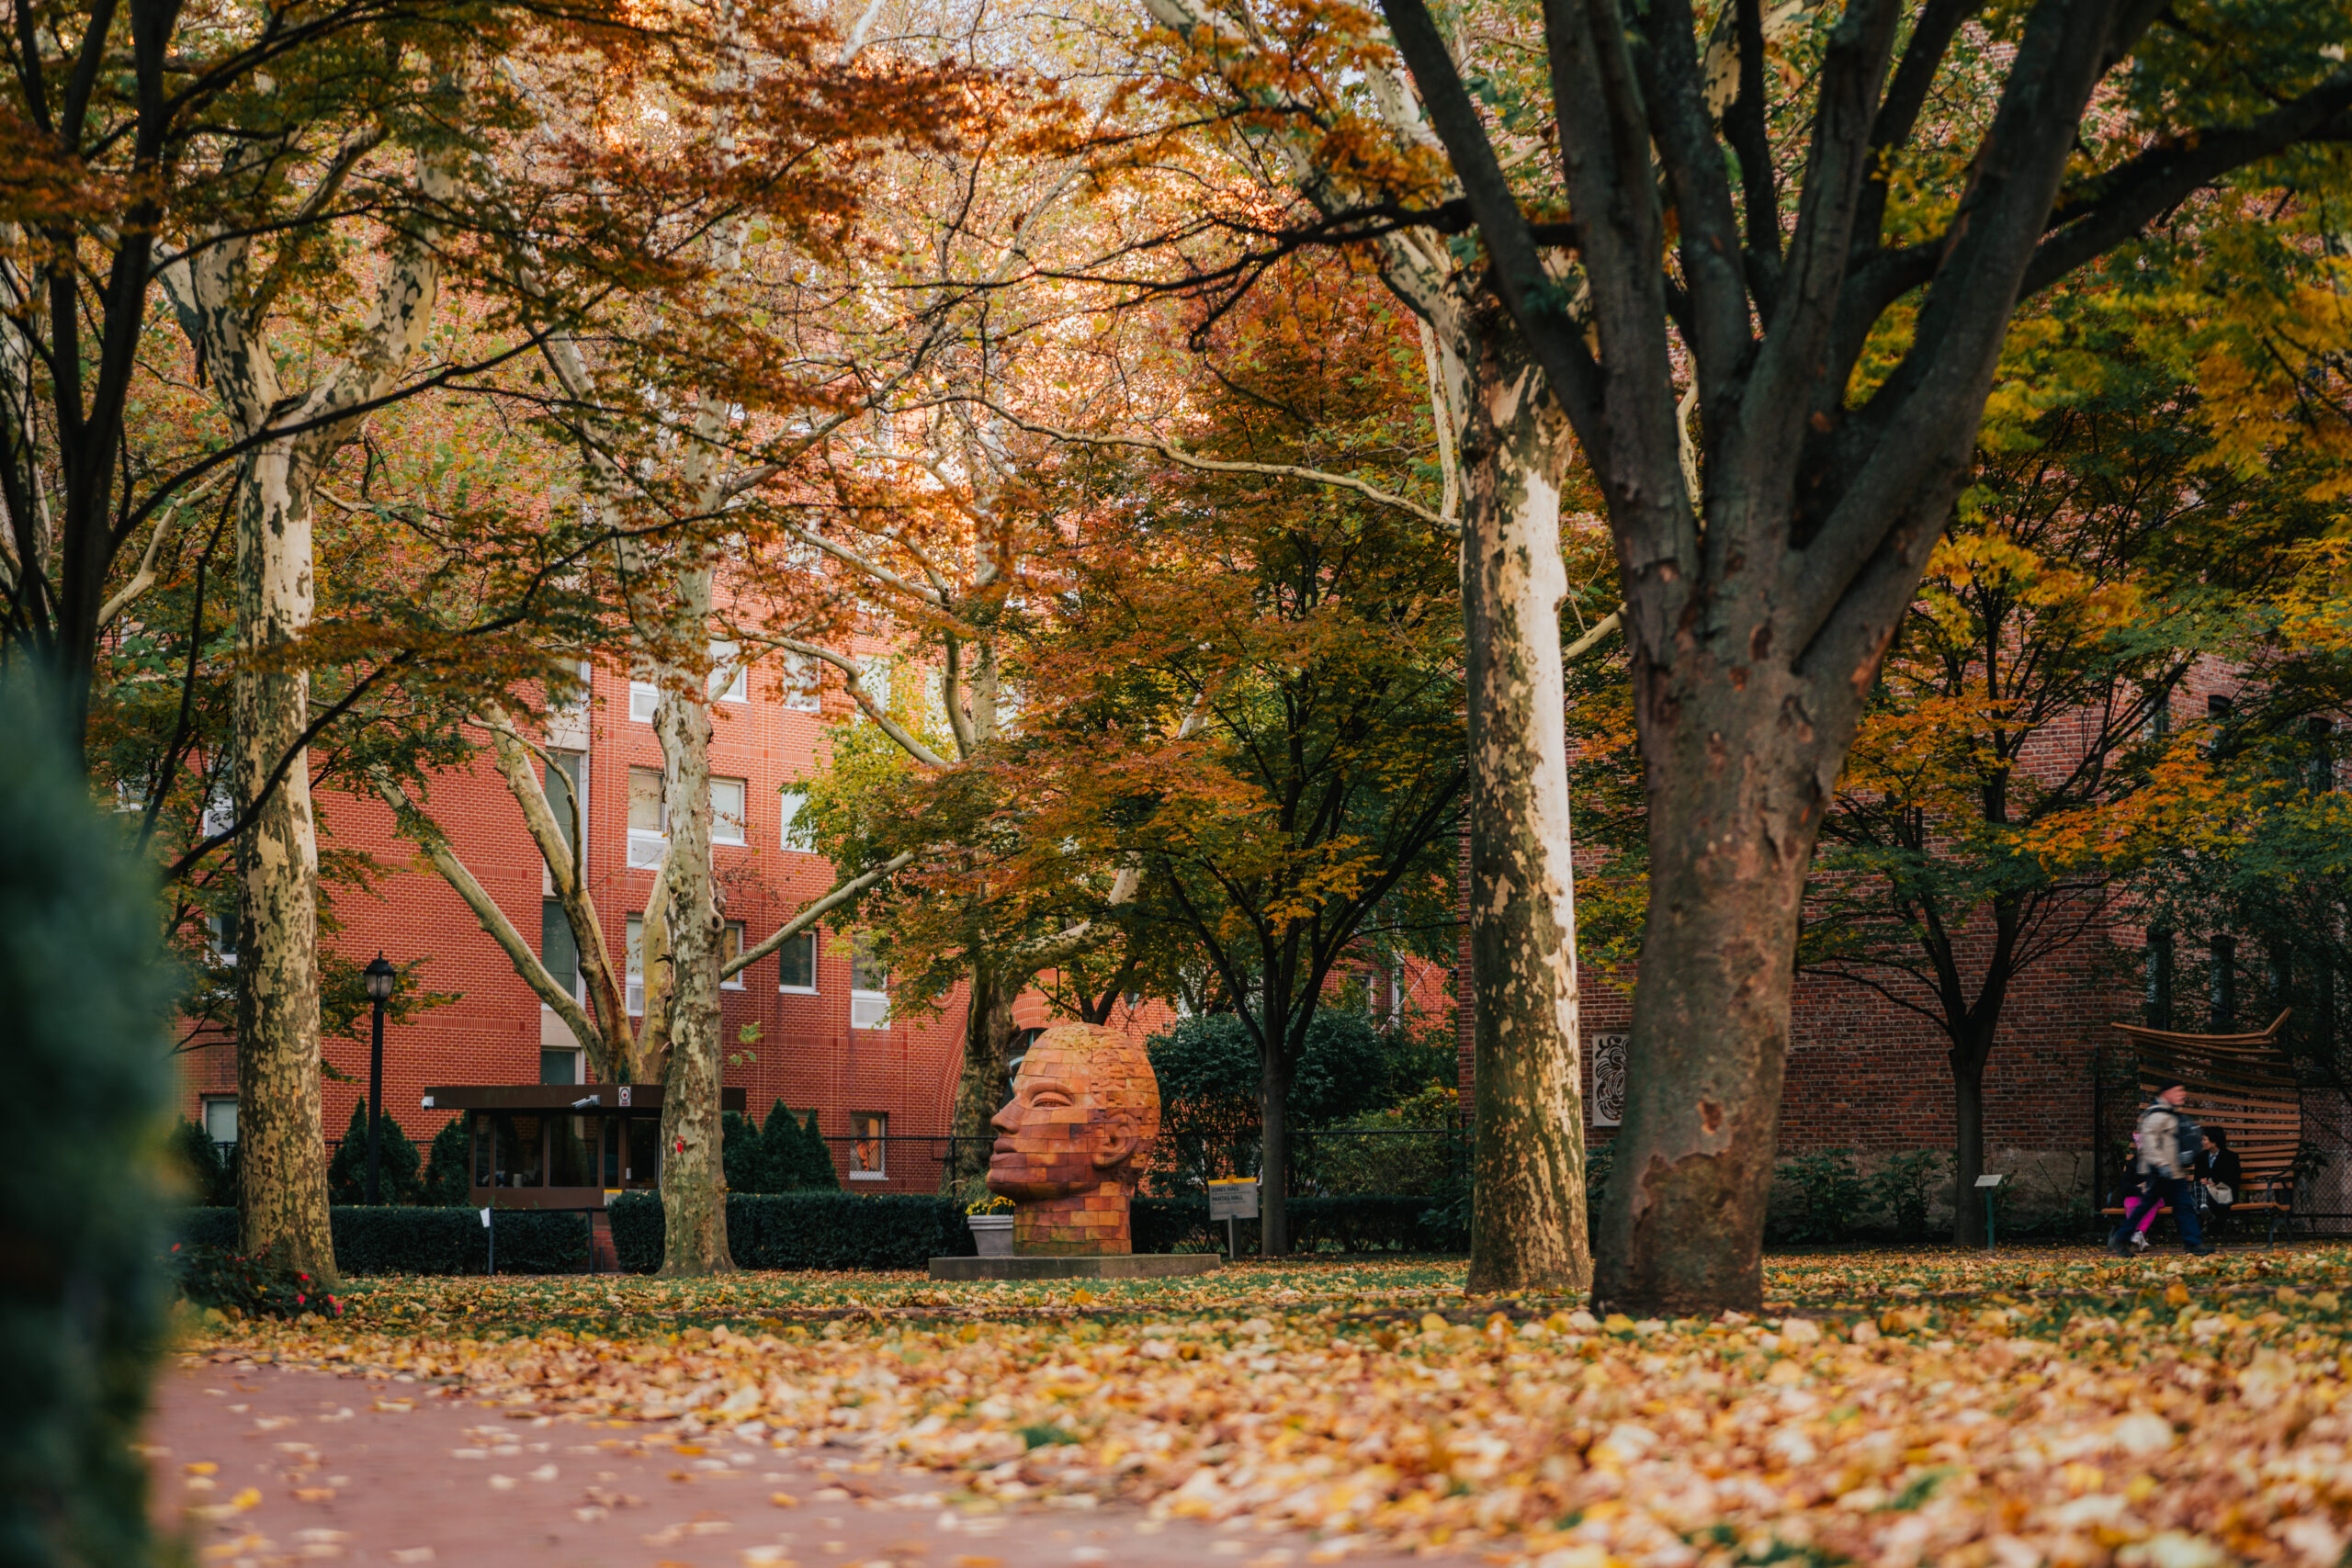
85,989
210,1177
817,1172
397,1175
448,1183
808,1230
1355,1223
741,1164
386,1240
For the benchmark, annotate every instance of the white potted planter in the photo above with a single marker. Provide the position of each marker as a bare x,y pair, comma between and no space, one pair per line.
992,1234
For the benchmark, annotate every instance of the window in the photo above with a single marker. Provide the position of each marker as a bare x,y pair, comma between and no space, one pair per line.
731,673
559,951
2159,961
795,835
636,964
802,683
559,1066
567,779
649,817
2319,775
2223,953
221,1119
869,989
869,1149
730,947
643,697
796,965
221,932
727,811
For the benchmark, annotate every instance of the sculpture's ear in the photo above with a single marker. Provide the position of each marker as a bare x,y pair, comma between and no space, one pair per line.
1117,1145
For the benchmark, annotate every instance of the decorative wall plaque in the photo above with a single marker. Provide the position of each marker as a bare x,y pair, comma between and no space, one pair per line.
1608,1102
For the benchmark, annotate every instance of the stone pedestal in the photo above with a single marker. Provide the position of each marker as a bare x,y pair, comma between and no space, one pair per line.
1109,1266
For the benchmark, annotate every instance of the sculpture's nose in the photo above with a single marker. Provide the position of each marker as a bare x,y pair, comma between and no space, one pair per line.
1009,1118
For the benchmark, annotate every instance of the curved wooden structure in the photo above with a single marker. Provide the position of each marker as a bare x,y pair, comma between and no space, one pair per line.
2243,1084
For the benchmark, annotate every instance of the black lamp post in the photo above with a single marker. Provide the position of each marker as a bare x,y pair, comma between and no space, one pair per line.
380,978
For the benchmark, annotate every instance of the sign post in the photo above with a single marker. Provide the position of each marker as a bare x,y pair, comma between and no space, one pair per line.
1231,1201
1987,1184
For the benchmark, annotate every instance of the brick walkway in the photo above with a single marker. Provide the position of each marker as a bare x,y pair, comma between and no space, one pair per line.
309,1467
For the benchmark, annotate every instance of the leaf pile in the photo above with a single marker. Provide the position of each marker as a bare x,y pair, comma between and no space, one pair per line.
2044,1408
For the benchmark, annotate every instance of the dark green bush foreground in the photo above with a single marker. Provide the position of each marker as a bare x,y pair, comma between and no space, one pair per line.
257,1287
426,1241
84,990
1355,1223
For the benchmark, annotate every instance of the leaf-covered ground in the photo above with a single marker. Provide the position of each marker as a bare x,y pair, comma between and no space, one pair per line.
1891,1408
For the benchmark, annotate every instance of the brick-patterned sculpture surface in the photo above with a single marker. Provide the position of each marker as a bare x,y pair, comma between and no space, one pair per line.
1085,1111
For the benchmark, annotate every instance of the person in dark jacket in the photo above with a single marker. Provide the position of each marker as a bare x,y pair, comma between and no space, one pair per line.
2165,1164
2218,1171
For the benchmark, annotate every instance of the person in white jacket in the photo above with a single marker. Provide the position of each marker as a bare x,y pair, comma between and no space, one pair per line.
2163,1163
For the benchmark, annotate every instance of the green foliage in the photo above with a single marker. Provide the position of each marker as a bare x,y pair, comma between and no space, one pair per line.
81,1296
741,1157
1383,1152
210,1178
447,1181
398,1179
1356,1223
386,1240
1209,1073
817,1172
1902,1188
254,1287
807,1230
1832,1195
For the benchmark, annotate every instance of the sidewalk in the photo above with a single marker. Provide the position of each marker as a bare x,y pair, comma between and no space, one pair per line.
309,1467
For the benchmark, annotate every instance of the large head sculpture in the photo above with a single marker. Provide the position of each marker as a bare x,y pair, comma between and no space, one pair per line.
1085,1110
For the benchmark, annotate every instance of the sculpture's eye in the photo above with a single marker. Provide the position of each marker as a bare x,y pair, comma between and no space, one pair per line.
1052,1099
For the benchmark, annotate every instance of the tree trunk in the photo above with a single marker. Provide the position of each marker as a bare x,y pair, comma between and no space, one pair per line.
694,1202
1528,1231
1738,767
1273,1148
282,1190
1968,1156
980,1088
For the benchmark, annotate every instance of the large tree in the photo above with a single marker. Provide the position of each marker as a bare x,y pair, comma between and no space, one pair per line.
1781,247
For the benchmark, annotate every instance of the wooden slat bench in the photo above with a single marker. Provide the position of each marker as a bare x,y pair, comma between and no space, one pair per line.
2244,1085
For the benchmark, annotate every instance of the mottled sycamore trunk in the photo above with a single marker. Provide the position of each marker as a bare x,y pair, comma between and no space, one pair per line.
1739,765
693,1199
981,1088
282,1197
1528,1229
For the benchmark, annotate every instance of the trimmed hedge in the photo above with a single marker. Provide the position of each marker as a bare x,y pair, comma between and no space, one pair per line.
388,1240
1355,1223
808,1230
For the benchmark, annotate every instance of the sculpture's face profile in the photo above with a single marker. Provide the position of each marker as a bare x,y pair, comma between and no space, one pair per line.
1083,1105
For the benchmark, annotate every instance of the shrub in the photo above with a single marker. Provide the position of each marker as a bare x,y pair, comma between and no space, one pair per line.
386,1240
84,990
1378,1153
1356,1223
817,1172
255,1287
808,1230
396,1174
1902,1189
210,1177
447,1182
1831,1194
739,1162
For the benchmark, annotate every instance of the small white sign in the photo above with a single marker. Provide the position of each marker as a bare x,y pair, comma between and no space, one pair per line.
1990,1180
1235,1200
624,1089
485,1219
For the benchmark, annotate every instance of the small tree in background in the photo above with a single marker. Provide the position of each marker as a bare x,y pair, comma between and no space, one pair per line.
816,1160
448,1183
398,1175
210,1176
81,1296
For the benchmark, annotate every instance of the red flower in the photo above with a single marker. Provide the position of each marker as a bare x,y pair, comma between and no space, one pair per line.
176,1246
299,1300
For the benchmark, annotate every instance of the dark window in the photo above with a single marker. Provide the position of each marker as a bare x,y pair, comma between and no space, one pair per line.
2320,778
796,963
559,1066
2223,955
557,951
565,796
2159,963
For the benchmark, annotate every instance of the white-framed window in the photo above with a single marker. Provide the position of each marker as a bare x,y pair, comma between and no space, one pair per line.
635,965
874,674
559,1065
577,702
869,1149
869,988
221,933
643,697
795,965
221,1118
793,798
730,947
802,683
567,790
559,951
731,673
649,817
727,811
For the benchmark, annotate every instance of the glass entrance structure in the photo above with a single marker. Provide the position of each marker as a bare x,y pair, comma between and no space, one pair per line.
561,1146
